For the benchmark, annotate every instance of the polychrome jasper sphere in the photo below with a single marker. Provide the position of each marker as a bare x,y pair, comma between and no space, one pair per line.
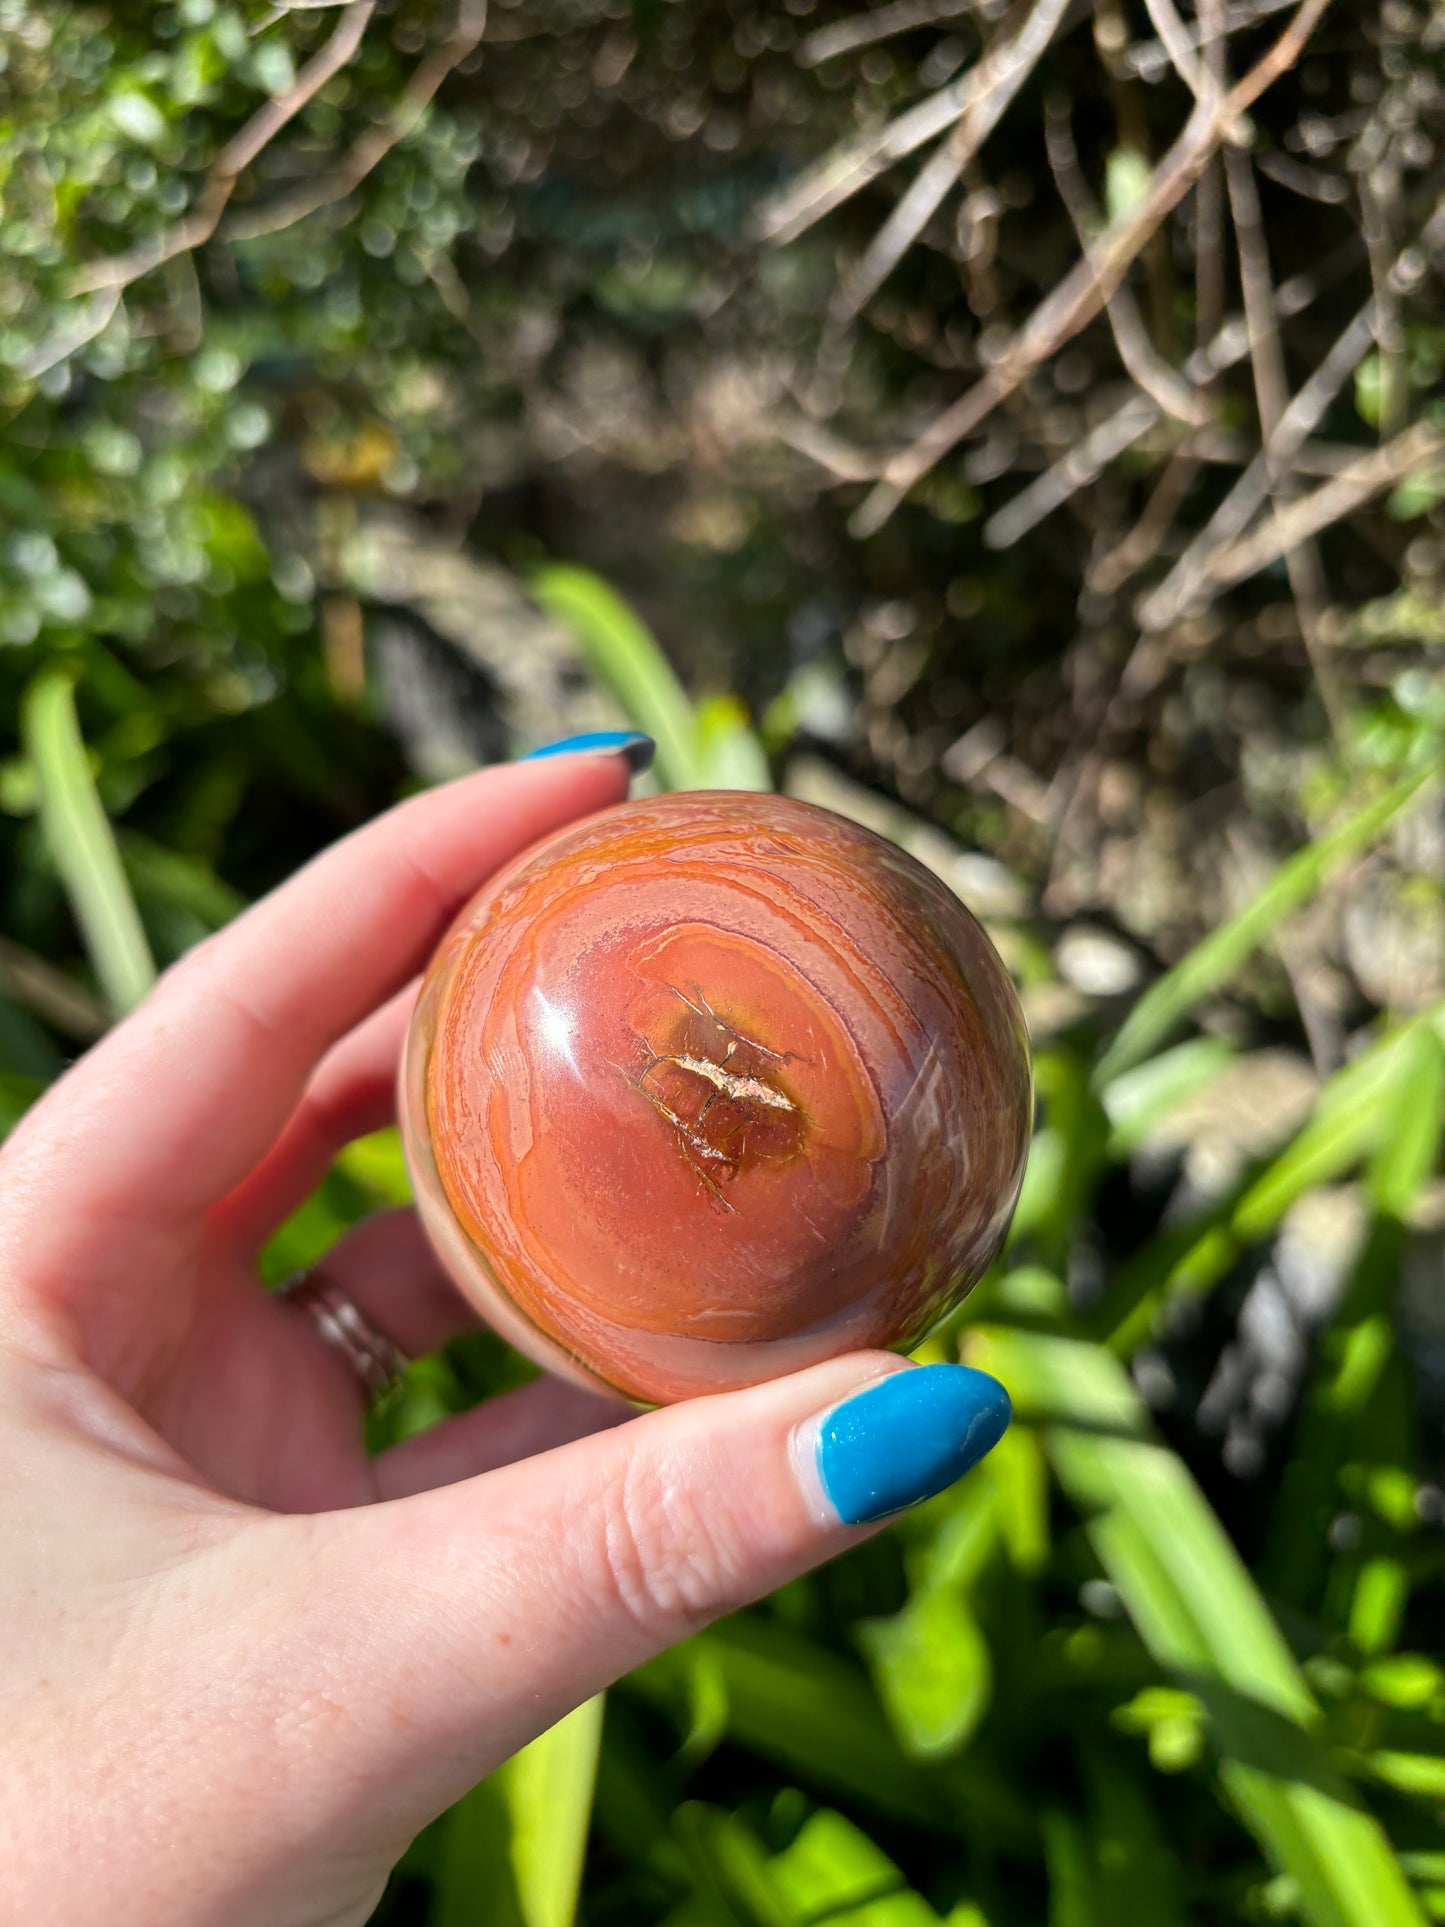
709,1087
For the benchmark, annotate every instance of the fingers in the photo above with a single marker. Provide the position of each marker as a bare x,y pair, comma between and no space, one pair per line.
517,1425
351,1092
387,1269
495,1605
174,1107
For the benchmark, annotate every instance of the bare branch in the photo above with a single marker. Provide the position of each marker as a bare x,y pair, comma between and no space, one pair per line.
280,9
120,270
373,148
1178,44
854,163
1084,290
1229,345
881,23
996,80
1416,450
1150,371
1271,387
1377,180
1209,196
30,980
1085,461
1110,571
1178,593
1313,183
1150,59
94,318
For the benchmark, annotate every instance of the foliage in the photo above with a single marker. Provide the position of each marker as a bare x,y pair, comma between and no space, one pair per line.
525,264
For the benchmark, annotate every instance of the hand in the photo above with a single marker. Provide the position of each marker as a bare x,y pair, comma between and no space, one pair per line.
243,1663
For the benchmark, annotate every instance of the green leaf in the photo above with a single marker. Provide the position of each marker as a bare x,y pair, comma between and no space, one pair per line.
547,1789
1018,1472
183,881
1137,1101
25,1046
1419,1774
1352,1377
81,844
1073,1901
475,1885
1137,1873
1214,961
17,1093
512,1849
137,116
796,1703
622,654
1352,1113
378,1164
933,1671
1127,180
1197,1610
831,1867
729,751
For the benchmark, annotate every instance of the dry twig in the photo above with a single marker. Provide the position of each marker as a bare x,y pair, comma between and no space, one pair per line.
1083,463
1271,388
1084,290
1053,488
1178,44
1151,60
996,80
880,23
854,163
119,271
1417,449
1142,360
64,1005
373,148
1182,590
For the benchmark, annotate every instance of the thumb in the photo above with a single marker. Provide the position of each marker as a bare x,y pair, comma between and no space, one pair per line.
487,1609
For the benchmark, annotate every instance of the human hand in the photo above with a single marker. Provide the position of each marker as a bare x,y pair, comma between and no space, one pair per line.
244,1663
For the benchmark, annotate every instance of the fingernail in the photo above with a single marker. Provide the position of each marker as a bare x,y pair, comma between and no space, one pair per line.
631,743
907,1437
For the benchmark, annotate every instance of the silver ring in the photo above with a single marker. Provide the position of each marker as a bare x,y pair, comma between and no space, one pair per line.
378,1362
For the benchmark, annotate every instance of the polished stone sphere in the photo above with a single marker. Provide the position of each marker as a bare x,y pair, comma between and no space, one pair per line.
709,1087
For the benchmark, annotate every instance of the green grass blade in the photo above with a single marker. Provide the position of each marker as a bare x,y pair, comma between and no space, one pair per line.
25,1046
932,1667
1138,1100
1138,1874
622,654
796,1703
17,1093
82,845
1212,963
730,752
1351,1375
474,1881
1069,1858
1353,1112
182,880
547,1789
1201,1617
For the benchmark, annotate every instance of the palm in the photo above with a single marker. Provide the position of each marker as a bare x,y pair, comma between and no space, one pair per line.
252,1399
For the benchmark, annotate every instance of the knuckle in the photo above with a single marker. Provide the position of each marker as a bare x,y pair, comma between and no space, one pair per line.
669,1565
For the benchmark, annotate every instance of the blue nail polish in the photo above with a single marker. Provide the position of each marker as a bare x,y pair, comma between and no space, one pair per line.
631,743
907,1437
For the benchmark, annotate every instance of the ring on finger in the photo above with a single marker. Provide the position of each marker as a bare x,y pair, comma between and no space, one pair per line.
378,1362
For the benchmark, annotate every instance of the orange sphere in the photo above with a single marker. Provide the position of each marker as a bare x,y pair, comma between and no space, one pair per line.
710,1087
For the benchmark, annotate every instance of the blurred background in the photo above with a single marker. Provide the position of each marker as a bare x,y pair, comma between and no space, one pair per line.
1019,427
